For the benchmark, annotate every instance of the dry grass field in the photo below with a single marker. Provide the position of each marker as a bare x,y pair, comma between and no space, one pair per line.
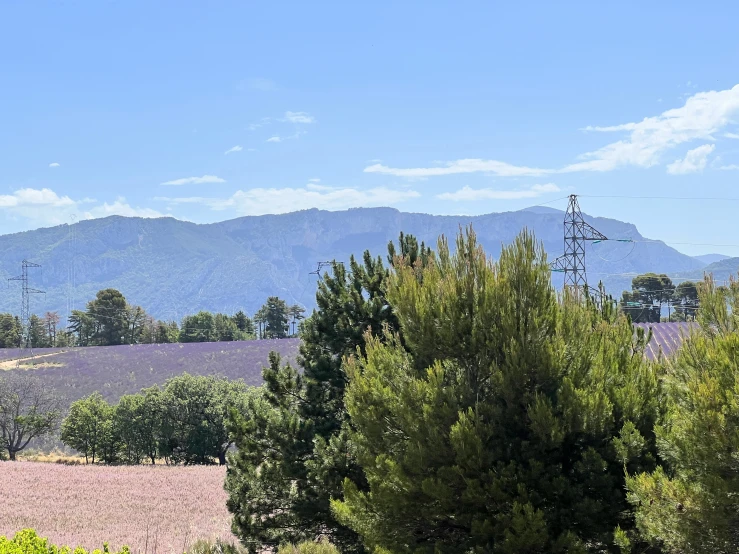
152,509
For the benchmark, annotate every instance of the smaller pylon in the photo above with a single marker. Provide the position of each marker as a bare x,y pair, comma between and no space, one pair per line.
577,233
26,292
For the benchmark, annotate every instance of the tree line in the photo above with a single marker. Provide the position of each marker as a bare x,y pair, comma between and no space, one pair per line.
183,422
447,402
110,320
651,294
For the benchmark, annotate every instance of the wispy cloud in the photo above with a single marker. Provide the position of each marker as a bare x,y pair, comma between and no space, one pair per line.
701,117
261,123
34,197
731,167
732,135
314,180
472,165
274,139
470,194
121,207
259,201
195,180
298,117
233,149
53,164
694,161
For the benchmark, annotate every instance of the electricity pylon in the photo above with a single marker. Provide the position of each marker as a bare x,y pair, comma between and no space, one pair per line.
577,233
26,293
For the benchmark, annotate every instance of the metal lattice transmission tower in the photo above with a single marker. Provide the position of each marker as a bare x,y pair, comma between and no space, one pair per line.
26,293
577,233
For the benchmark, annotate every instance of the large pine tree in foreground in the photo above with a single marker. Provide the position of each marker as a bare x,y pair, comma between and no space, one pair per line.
506,420
293,454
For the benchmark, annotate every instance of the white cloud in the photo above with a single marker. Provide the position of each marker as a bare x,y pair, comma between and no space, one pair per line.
317,187
195,180
35,197
494,167
54,164
261,201
731,167
695,160
702,116
233,149
314,180
732,135
470,194
274,139
32,208
299,117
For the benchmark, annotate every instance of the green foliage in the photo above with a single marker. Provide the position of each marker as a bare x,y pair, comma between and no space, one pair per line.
28,542
28,410
10,331
89,429
690,505
185,422
649,292
309,547
275,314
292,449
501,419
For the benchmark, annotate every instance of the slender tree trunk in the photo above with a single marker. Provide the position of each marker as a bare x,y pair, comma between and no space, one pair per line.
222,458
11,455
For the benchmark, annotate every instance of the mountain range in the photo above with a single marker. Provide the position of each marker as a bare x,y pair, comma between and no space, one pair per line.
173,268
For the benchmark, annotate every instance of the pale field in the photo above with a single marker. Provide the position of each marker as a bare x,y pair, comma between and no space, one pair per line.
152,509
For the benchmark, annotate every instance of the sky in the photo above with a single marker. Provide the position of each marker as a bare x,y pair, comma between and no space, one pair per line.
211,111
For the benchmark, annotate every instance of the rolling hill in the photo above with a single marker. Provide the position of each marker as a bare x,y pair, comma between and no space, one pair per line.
173,268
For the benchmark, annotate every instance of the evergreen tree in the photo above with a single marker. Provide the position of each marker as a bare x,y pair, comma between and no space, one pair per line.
501,420
37,337
690,505
198,328
296,313
244,324
109,313
292,449
275,313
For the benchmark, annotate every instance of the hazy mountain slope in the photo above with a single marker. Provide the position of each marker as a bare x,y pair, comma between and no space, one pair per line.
173,268
721,270
711,258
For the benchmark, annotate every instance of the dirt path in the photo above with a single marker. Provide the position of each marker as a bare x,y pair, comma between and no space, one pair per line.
26,362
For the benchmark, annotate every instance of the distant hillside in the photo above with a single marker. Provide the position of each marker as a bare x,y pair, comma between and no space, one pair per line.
711,258
721,270
173,268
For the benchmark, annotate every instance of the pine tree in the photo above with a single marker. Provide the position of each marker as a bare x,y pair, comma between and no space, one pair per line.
501,419
293,453
690,505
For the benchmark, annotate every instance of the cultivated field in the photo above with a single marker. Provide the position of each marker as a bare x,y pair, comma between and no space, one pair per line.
152,509
117,370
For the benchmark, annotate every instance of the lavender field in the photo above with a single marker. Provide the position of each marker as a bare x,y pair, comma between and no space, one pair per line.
118,370
154,509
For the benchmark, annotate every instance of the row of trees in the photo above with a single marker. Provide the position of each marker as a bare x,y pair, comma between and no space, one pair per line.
452,403
182,422
652,293
110,320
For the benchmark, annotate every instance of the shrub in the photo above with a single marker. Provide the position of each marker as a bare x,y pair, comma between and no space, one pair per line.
28,542
309,547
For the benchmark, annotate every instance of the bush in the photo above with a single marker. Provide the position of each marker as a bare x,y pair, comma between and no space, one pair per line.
217,547
308,547
28,542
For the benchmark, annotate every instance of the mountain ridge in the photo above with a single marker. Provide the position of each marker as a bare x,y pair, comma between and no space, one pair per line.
172,267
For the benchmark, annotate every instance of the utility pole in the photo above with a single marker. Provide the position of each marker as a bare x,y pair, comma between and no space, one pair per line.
577,233
26,293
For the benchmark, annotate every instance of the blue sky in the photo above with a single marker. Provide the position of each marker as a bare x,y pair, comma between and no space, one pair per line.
209,111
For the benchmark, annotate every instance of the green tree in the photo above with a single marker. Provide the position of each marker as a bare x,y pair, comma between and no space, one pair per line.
28,410
504,418
194,413
690,505
36,332
10,331
166,332
296,313
88,428
244,324
292,450
649,293
275,313
225,328
51,324
198,328
83,326
686,300
136,422
109,312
